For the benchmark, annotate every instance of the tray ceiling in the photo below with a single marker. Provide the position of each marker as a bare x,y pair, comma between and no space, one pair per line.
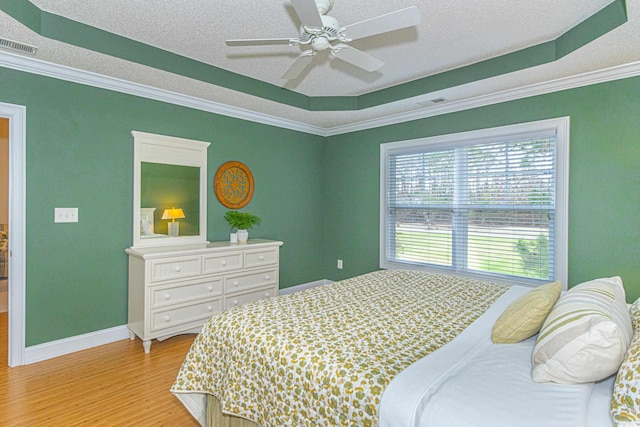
440,58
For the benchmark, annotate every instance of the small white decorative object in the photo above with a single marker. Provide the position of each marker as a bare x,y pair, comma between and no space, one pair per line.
243,236
241,222
233,238
174,229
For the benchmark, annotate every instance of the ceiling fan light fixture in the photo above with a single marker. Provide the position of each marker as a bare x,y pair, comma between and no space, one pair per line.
320,43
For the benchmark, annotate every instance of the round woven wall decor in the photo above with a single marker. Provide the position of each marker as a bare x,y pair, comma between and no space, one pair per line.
233,185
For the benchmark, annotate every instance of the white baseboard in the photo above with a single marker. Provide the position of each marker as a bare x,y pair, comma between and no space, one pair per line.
304,286
49,350
64,346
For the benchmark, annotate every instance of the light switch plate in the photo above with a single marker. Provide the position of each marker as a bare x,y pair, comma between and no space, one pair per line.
65,215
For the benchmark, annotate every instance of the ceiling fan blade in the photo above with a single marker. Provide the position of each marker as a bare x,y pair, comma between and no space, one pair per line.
308,13
299,65
357,57
261,42
402,18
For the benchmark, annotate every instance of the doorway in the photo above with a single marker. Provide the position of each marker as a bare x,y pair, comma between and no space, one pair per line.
14,116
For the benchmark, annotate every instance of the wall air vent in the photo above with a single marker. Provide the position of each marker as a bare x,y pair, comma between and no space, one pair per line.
19,47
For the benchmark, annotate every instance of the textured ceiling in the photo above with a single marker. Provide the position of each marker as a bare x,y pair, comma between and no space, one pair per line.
452,34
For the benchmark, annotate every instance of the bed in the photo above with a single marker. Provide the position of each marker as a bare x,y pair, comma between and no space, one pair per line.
389,348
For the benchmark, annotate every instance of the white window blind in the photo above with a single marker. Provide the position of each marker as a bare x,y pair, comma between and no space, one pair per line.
478,206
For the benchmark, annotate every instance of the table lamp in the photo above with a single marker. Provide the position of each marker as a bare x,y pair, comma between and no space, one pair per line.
173,214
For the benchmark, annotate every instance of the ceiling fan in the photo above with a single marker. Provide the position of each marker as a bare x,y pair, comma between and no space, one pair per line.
322,32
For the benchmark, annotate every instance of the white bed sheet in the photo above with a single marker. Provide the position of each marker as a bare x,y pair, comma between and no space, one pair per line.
473,382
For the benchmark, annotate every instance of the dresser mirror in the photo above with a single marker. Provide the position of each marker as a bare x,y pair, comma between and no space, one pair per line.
169,190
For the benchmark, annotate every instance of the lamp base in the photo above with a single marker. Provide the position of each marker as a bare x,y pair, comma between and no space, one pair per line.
174,228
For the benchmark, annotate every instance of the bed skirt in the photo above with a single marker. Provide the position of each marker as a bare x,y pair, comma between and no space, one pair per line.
215,417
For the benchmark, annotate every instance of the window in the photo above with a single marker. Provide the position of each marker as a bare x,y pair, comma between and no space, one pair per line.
490,204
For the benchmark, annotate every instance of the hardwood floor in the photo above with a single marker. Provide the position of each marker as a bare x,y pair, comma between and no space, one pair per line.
112,385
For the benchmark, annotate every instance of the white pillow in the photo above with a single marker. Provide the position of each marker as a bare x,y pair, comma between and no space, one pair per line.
586,335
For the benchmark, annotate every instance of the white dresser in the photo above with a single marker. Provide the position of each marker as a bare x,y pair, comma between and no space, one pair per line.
174,290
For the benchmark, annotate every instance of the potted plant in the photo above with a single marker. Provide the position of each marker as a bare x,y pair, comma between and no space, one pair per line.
242,222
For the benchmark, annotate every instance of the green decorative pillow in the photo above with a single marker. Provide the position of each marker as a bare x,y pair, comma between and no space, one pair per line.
524,317
625,403
586,335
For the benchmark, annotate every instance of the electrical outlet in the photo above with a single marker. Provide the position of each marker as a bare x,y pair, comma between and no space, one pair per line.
65,215
340,264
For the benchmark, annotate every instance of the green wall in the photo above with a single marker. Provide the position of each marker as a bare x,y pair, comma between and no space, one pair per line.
604,202
80,154
318,195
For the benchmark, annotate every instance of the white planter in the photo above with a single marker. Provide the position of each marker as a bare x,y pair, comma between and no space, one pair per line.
243,236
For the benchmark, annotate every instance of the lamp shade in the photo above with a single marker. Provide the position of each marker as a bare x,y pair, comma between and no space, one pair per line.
173,213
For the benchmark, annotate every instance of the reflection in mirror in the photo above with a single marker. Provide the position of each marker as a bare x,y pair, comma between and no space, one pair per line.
169,190
165,187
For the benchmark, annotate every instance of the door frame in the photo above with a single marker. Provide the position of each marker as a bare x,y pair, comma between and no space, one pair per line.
17,115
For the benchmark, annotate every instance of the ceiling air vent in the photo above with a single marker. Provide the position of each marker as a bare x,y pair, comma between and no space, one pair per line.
430,102
19,47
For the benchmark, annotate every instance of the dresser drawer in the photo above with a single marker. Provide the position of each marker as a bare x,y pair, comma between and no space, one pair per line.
178,316
174,290
240,282
222,262
234,301
175,268
174,294
260,257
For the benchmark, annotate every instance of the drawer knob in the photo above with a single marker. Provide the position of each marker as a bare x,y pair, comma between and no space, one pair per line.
223,263
167,318
178,268
267,294
261,257
210,308
267,277
235,283
235,302
167,296
210,288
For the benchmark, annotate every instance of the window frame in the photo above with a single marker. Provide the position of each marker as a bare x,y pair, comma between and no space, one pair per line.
560,126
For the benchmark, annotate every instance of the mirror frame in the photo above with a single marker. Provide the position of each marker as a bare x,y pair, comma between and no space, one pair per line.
168,150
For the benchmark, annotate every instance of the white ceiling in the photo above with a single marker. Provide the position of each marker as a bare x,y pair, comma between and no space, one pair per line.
452,33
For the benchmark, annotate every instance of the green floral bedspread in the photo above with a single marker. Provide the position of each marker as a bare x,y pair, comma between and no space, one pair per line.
323,357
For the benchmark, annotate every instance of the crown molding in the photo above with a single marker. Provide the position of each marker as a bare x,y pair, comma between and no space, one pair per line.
88,78
590,78
61,72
